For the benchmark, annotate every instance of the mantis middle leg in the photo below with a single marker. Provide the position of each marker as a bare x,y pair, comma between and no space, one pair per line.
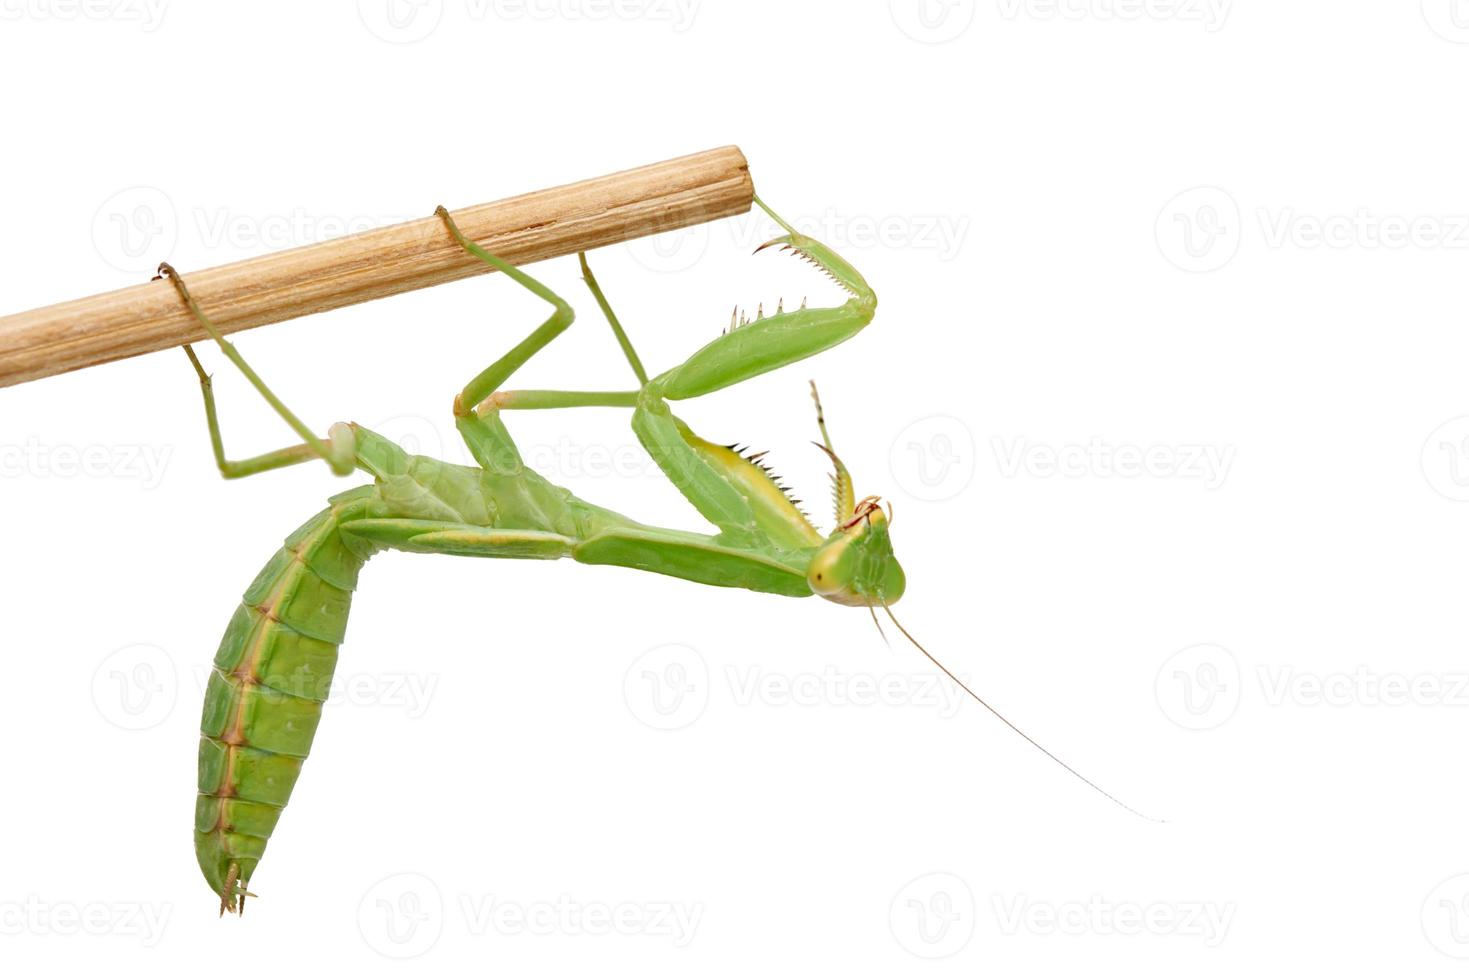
477,407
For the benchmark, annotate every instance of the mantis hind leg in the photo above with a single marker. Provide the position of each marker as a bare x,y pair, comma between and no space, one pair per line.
477,406
337,449
488,381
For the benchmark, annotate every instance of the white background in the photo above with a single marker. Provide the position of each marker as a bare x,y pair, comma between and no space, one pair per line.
1103,232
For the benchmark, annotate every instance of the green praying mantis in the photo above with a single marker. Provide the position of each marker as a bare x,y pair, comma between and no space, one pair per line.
275,662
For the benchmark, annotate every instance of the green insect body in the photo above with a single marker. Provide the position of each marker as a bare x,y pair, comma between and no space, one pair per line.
275,663
271,675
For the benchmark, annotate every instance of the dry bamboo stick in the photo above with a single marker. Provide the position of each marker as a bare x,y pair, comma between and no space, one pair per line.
356,268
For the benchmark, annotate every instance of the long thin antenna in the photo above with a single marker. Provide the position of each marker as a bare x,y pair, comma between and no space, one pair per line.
1010,724
878,624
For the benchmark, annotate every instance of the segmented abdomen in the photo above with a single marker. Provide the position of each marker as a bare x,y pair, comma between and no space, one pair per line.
270,678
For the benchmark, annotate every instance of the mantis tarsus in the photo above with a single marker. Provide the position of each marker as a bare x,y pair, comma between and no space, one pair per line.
276,659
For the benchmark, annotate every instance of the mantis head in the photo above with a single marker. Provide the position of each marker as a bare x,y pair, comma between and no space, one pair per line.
855,565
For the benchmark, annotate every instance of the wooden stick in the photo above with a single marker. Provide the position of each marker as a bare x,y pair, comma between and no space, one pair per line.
540,225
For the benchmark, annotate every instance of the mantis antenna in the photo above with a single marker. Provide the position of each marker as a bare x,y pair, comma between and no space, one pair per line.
1008,723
